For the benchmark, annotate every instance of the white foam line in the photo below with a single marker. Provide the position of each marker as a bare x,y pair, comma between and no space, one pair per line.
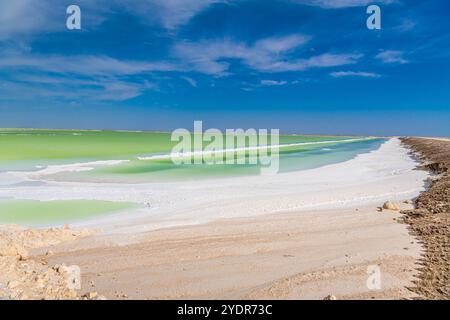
74,167
254,148
89,166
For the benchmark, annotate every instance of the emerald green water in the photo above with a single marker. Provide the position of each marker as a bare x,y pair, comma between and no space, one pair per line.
23,149
291,159
31,150
29,212
27,144
19,145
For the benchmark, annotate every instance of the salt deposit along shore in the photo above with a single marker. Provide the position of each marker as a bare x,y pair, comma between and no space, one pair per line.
304,234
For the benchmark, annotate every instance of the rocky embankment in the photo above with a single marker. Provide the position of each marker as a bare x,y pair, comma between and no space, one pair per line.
430,220
23,277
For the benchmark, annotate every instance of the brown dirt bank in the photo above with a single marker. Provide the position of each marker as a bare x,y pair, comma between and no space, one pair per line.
430,220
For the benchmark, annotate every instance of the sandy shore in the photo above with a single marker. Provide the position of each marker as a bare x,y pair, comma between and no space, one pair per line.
302,235
283,256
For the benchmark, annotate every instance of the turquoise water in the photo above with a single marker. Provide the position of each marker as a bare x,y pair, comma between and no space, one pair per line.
325,155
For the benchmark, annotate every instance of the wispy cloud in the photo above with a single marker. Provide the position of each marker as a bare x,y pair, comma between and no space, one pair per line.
170,14
392,56
82,64
273,83
334,4
191,81
208,56
98,78
25,86
30,17
68,88
342,74
26,18
173,13
265,55
406,25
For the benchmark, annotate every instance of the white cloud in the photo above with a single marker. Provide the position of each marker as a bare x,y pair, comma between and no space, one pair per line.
280,44
334,4
191,81
120,90
67,90
341,74
25,18
30,17
266,55
273,83
392,56
78,77
82,65
170,14
21,16
406,25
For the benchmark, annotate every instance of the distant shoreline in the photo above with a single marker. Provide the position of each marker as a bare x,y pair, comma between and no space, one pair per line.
168,131
162,131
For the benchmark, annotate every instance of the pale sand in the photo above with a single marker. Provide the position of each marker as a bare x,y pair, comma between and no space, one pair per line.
283,256
24,278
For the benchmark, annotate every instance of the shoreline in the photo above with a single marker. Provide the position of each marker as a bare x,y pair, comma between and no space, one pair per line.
170,131
368,178
290,254
429,221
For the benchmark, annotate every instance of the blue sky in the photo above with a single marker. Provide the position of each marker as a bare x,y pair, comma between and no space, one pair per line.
306,66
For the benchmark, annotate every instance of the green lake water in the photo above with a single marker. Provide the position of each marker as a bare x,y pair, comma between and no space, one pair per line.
32,150
30,212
